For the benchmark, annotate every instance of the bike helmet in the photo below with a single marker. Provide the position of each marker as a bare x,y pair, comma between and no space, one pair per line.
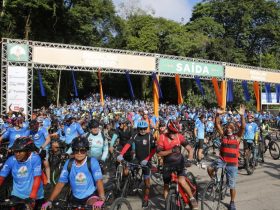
23,144
34,125
93,124
162,123
142,124
173,126
68,117
80,143
123,121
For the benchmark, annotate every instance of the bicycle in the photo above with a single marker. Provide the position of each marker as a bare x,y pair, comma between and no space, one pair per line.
156,171
272,146
177,197
14,205
251,158
215,191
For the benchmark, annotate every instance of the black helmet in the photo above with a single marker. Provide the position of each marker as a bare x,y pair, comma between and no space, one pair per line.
80,143
23,144
93,124
68,117
162,123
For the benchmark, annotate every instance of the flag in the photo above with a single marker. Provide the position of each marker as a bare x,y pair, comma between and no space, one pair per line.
42,89
131,92
74,84
178,86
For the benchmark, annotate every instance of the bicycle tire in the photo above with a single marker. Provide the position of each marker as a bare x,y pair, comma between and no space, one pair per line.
117,205
250,163
261,150
211,198
119,177
274,147
173,201
55,175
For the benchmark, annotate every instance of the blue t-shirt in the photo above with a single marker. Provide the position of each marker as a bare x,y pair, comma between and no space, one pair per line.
210,126
200,129
23,175
82,181
39,138
250,131
12,134
72,131
47,123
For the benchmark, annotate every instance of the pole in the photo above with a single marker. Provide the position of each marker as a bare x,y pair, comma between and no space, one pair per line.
58,88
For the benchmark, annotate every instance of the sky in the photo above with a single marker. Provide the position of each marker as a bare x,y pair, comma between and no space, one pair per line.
169,9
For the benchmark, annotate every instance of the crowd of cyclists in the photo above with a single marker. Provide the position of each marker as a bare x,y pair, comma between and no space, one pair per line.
90,135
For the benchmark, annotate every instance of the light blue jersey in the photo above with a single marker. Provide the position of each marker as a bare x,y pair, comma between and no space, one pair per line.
98,146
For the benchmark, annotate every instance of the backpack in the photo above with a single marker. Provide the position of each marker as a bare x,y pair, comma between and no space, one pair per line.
70,163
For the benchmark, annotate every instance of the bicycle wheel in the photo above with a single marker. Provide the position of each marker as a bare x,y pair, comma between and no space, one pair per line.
156,176
174,201
121,204
250,163
55,175
261,151
119,173
211,197
274,150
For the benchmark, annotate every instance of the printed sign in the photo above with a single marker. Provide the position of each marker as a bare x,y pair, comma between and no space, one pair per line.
17,88
18,52
190,68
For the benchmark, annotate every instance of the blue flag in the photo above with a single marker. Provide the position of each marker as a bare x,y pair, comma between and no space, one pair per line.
154,76
42,89
74,84
268,92
246,91
197,80
130,85
229,91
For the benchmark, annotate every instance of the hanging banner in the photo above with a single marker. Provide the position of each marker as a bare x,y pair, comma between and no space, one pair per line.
42,88
178,86
155,80
277,89
197,80
268,92
232,72
230,91
273,99
17,84
100,88
256,88
131,92
156,94
217,91
184,67
246,91
223,92
87,58
74,84
17,52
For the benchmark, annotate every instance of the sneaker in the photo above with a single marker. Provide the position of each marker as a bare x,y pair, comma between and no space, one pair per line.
203,165
145,204
194,204
232,206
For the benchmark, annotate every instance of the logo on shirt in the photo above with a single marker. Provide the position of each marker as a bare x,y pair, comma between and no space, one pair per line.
145,142
80,179
22,171
17,136
68,130
36,136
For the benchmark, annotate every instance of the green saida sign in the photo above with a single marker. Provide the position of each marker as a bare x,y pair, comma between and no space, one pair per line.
18,52
190,68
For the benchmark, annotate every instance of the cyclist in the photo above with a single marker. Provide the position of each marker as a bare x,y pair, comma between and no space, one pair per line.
145,148
124,133
229,151
169,147
18,130
199,134
84,176
41,138
251,131
98,144
25,167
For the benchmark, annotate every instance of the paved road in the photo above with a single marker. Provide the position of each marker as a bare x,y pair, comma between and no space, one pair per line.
260,191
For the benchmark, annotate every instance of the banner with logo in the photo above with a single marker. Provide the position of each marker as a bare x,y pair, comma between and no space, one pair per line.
273,99
17,84
190,68
18,52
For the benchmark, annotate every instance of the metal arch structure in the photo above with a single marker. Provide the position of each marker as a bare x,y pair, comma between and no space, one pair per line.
31,65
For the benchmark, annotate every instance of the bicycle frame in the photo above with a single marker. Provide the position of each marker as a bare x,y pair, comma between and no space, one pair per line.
174,180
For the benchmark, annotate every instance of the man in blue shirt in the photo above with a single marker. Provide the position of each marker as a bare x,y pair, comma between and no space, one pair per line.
72,129
26,170
41,138
251,129
84,181
199,133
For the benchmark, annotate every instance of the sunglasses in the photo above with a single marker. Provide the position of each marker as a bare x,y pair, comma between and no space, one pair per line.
18,151
142,129
81,151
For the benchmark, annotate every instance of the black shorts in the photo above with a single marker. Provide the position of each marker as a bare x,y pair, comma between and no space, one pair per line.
168,169
247,145
200,143
76,201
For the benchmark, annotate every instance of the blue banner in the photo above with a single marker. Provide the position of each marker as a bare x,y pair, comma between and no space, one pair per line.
268,92
246,91
229,91
74,84
42,89
197,80
154,76
130,85
277,88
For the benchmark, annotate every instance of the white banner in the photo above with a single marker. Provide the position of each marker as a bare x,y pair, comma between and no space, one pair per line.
17,85
273,99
